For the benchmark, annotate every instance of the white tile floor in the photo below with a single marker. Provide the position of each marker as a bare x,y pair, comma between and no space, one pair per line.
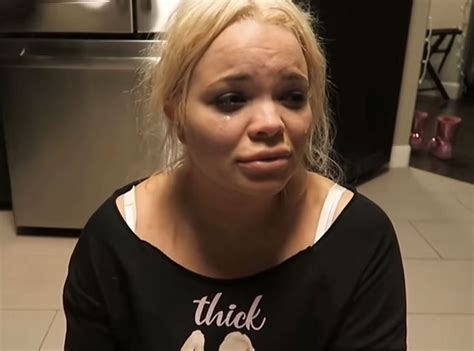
433,216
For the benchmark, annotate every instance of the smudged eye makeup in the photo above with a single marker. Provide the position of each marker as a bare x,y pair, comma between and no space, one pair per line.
234,101
230,102
294,99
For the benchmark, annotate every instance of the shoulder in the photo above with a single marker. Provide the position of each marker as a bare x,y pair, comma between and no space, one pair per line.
106,221
363,240
368,213
323,185
365,224
357,211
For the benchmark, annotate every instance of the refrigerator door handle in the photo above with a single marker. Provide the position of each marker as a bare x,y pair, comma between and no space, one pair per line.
106,54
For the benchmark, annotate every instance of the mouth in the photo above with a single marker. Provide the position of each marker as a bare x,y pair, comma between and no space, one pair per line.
265,163
266,156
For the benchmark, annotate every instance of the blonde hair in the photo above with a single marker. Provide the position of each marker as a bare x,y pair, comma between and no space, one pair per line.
191,30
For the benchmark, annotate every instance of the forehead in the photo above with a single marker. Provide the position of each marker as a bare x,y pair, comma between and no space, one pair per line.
253,46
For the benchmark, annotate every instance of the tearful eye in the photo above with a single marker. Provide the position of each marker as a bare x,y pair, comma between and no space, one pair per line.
230,102
294,99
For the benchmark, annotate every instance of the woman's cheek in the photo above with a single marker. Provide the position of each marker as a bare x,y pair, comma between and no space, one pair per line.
298,130
214,137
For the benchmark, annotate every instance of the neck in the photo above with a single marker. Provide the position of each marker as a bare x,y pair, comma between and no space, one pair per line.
233,214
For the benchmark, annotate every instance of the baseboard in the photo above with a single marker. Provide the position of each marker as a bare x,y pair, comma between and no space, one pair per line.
400,156
453,89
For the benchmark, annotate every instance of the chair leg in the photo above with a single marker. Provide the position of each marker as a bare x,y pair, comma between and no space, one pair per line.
437,81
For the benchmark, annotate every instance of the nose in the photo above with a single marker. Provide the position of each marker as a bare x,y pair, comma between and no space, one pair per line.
267,124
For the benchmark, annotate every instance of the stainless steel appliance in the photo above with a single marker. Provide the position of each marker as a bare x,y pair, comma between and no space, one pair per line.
97,16
69,114
79,16
152,15
70,126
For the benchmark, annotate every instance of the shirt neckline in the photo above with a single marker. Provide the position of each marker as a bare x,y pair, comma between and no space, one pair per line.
227,281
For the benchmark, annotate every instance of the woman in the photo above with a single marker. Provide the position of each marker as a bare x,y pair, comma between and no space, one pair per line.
236,245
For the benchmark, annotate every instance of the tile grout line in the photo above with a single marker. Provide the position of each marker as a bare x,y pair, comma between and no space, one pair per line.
462,204
47,331
426,240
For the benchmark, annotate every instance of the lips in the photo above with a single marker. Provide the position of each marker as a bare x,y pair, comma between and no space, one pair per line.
266,156
268,162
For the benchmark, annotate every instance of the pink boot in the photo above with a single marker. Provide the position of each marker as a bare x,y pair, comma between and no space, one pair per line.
441,146
416,137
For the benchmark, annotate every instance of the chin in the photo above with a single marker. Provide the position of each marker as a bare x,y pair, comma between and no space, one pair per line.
269,186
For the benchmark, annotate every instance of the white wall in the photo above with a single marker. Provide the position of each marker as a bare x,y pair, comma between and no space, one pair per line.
406,105
448,14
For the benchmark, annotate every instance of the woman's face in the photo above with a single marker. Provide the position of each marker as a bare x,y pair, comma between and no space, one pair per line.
247,113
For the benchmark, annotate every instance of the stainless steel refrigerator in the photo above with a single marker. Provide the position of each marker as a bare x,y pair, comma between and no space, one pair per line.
70,115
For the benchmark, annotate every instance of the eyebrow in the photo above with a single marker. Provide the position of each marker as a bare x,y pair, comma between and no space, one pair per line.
295,76
241,77
233,78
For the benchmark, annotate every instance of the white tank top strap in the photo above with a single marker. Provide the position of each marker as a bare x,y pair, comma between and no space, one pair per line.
130,208
328,211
